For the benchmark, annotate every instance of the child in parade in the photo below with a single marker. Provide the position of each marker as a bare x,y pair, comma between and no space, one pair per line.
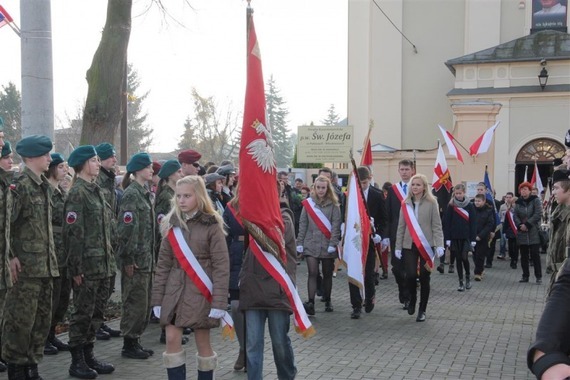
191,278
484,220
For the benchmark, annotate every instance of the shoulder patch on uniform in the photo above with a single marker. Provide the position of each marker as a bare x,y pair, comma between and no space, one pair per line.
127,217
71,217
12,186
159,218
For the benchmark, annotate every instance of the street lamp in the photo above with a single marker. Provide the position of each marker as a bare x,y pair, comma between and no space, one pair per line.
543,76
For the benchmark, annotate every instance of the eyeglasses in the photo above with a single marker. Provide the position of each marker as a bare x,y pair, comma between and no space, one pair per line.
196,165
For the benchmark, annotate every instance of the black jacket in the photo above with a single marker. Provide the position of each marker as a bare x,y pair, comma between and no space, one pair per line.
484,219
455,227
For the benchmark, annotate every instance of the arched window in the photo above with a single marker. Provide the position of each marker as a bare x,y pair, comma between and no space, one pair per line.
540,150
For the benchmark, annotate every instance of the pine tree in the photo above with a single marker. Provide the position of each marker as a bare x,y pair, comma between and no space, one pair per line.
11,113
139,133
332,117
277,113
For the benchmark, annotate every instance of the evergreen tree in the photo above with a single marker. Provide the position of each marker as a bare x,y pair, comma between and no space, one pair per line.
277,114
11,113
139,133
332,117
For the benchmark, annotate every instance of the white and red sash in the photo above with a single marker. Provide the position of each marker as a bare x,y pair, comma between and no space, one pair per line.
418,236
399,191
317,216
194,270
509,216
462,212
270,263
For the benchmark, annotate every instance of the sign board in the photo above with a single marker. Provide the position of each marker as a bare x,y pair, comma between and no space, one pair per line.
324,144
470,188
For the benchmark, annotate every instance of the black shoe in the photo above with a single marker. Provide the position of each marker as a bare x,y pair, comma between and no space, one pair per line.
524,279
102,334
488,265
319,292
539,281
112,332
421,316
59,344
406,305
467,283
461,287
50,349
132,350
376,278
501,257
309,308
355,313
151,352
3,367
412,307
513,265
451,269
33,373
78,367
153,318
328,307
368,305
384,276
187,331
101,368
440,268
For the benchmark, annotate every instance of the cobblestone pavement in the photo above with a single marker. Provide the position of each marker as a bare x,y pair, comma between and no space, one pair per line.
482,333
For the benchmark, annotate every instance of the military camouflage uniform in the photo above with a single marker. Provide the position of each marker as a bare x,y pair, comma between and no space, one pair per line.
87,239
5,214
61,284
162,206
27,313
136,228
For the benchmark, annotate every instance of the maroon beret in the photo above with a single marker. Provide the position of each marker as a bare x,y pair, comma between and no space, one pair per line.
156,167
189,156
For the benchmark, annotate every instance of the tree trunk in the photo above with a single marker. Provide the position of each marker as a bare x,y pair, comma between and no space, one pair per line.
104,104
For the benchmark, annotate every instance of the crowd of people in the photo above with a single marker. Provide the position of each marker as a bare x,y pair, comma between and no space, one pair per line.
172,232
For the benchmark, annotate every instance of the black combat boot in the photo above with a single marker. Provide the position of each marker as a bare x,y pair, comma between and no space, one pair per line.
102,368
33,373
132,350
17,372
147,350
78,367
3,367
112,332
50,349
56,342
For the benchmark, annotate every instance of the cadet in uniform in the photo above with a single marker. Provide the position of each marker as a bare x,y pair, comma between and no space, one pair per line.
189,160
136,229
33,263
106,181
5,208
62,284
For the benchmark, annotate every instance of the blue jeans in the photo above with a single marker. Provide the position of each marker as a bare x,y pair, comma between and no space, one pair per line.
278,322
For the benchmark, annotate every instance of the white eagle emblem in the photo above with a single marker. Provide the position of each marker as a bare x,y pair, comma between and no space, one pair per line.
261,149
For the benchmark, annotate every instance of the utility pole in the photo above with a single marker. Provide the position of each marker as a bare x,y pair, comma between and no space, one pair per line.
37,68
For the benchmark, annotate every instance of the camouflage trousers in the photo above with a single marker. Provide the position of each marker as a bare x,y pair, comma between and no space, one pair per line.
89,301
60,297
2,300
135,295
27,316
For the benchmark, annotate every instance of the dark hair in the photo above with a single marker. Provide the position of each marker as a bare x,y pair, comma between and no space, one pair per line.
159,187
282,173
325,170
363,172
126,180
481,196
482,184
510,193
387,185
212,169
298,180
50,173
406,162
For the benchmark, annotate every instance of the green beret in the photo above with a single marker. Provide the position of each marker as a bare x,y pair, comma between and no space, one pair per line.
138,162
168,168
81,154
6,149
56,159
105,150
34,146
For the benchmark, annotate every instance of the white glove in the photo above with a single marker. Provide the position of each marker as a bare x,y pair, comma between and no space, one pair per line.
473,244
372,220
377,239
300,248
448,243
398,254
216,313
440,251
156,311
331,249
342,228
385,243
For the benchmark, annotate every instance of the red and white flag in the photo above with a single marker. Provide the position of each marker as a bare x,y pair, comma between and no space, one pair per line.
5,17
449,141
441,175
356,234
366,159
535,181
482,144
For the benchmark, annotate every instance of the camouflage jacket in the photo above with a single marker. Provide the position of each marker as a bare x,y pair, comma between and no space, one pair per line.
5,214
57,201
162,206
136,228
106,181
559,229
31,231
87,232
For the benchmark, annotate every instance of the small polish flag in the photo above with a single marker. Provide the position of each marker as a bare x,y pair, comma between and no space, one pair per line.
482,144
451,147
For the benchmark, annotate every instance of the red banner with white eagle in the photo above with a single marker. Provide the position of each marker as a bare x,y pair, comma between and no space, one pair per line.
441,175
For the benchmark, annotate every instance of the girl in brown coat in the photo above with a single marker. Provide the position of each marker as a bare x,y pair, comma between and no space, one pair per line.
181,302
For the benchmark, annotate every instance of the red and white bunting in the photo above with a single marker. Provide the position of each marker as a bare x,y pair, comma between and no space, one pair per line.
317,216
462,212
418,236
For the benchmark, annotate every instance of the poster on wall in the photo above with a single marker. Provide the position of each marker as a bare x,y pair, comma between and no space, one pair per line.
549,14
324,144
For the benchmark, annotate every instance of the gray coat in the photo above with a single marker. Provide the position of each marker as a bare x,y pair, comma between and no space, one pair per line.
528,212
314,242
429,221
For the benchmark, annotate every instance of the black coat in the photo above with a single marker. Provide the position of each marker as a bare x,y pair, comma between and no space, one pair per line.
393,207
484,219
456,227
377,210
235,246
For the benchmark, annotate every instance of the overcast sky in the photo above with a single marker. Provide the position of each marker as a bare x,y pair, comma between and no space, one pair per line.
303,45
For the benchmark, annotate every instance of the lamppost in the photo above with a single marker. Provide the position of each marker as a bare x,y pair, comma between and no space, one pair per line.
543,76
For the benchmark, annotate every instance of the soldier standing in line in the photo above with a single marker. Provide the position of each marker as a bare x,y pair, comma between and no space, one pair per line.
106,181
136,229
87,239
33,263
62,284
5,207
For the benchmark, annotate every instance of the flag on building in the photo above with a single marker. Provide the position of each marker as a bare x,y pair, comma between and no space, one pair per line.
449,141
257,198
366,158
5,17
535,180
441,175
356,234
482,144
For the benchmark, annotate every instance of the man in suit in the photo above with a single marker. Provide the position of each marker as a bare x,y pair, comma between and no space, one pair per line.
376,210
394,199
